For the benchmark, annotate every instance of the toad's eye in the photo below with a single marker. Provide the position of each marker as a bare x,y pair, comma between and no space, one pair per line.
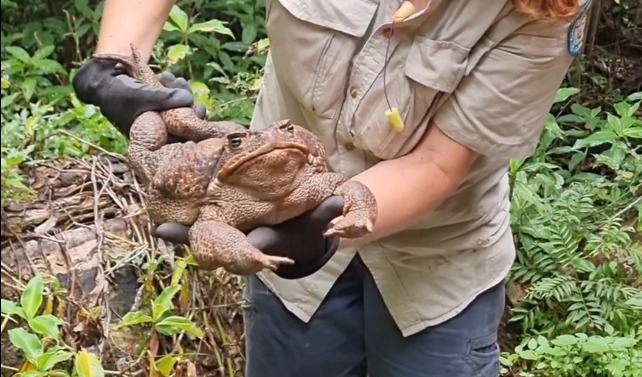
236,142
288,127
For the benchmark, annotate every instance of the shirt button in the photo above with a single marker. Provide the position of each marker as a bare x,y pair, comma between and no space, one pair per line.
353,92
387,32
349,146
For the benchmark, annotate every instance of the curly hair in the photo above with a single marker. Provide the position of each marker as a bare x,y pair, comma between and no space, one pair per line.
548,10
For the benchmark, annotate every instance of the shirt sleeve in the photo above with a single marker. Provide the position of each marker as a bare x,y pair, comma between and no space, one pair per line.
500,107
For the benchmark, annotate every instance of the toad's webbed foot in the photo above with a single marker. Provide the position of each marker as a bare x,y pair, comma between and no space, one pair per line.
359,211
216,244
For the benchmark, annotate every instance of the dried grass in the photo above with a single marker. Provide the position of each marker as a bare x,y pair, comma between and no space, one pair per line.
86,226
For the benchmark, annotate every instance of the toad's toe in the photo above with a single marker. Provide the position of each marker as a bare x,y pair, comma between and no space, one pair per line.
273,262
351,227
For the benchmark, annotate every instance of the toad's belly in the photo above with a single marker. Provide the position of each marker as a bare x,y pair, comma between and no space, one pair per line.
246,216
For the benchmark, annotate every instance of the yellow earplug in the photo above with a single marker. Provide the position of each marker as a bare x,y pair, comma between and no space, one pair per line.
395,119
405,10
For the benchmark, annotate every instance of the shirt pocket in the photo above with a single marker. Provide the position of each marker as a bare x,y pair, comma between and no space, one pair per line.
312,44
414,85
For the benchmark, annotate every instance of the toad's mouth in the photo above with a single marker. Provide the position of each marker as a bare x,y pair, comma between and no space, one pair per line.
276,153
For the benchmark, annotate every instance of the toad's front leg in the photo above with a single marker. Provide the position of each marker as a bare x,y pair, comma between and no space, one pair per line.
359,210
215,243
359,203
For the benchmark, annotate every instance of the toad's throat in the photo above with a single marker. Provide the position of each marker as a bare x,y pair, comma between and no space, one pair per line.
236,162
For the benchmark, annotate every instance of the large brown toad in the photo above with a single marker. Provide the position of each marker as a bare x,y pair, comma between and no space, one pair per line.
222,187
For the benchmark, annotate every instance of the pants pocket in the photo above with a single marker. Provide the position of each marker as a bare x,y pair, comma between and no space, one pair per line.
483,356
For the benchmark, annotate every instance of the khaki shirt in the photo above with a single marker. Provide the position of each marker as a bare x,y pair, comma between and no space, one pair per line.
486,76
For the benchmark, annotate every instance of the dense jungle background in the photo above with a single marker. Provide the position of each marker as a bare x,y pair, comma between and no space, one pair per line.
87,292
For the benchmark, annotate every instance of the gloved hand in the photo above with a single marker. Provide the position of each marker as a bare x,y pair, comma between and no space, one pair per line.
122,98
300,238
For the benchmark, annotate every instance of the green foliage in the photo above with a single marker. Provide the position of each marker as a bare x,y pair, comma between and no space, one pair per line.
158,317
569,216
161,318
41,342
577,355
572,205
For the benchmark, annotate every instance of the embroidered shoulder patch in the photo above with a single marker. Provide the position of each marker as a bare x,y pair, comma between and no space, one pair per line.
575,36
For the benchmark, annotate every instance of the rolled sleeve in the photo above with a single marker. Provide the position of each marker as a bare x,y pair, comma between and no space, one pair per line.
500,107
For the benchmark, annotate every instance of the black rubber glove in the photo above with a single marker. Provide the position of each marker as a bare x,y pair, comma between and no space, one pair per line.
122,98
300,239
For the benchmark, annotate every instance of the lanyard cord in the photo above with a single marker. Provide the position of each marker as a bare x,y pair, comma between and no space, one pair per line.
385,65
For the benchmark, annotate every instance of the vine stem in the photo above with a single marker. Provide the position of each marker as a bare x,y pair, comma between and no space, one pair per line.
628,207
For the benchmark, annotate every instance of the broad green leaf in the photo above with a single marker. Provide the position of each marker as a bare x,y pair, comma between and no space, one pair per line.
27,343
615,123
637,96
179,17
87,364
596,345
249,33
180,265
596,138
10,307
163,302
634,109
528,355
616,367
183,324
634,132
168,26
201,95
30,373
564,340
622,342
31,298
8,100
44,52
234,47
542,341
134,318
19,53
211,26
555,351
50,66
46,325
165,365
176,53
50,359
165,330
565,93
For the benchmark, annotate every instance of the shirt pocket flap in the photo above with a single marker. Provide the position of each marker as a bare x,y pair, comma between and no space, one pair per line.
430,68
436,64
351,17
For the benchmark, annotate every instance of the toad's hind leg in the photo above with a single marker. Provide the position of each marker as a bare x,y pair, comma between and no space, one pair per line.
215,243
359,210
146,136
148,132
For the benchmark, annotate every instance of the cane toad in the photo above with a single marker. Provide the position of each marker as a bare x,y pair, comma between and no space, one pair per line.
224,186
